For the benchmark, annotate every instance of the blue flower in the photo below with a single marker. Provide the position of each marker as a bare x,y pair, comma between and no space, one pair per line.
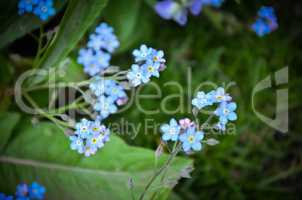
77,143
85,56
36,191
22,190
196,6
26,5
96,127
220,96
151,68
110,43
104,29
100,86
267,12
142,54
170,131
44,9
266,21
95,42
170,9
95,141
89,150
83,128
215,3
136,76
23,198
260,27
226,111
157,56
102,59
116,91
191,139
4,197
202,100
105,106
104,39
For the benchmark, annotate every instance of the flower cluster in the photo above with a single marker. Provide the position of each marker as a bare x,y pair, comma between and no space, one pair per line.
26,192
266,21
89,137
96,57
185,132
42,8
225,110
109,94
148,63
178,11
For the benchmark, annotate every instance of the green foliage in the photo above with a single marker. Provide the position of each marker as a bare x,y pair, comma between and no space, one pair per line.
7,123
14,26
78,17
41,153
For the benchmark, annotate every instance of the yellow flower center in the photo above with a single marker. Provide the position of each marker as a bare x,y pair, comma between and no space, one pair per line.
150,68
191,138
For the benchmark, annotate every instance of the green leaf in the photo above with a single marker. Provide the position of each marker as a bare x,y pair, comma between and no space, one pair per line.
42,153
7,122
77,19
129,20
14,26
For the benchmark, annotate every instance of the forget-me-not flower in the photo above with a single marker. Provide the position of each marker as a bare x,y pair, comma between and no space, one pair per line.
36,191
191,139
226,111
170,131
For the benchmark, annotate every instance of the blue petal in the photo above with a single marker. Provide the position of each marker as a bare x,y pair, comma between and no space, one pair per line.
166,137
231,106
196,7
186,146
232,116
196,146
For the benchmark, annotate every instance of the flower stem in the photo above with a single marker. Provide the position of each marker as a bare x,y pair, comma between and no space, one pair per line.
156,174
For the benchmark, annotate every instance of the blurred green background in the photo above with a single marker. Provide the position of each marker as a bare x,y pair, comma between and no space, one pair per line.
255,163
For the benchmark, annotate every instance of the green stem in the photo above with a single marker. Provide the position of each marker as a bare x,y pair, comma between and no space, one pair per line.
45,114
156,174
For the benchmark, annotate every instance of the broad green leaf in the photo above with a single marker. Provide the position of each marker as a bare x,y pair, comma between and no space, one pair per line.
76,20
42,153
14,26
129,20
7,122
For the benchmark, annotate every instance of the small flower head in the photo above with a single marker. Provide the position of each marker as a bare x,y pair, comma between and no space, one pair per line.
89,150
44,9
136,76
226,112
105,106
97,136
26,5
151,69
77,143
220,96
82,128
22,190
266,21
170,131
202,100
260,27
4,197
186,123
191,139
142,54
96,58
36,191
